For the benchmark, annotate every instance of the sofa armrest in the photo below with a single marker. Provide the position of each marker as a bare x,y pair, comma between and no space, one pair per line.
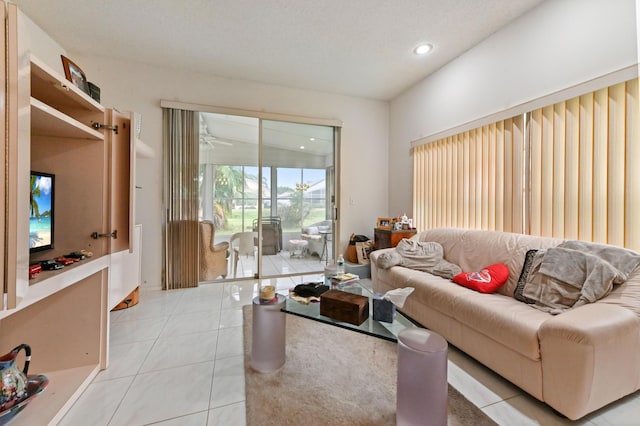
373,256
375,253
373,260
589,357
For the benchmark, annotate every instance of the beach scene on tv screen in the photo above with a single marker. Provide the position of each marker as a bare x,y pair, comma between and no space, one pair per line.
40,225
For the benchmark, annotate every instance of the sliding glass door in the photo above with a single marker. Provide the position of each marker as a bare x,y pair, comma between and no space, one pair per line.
268,188
301,161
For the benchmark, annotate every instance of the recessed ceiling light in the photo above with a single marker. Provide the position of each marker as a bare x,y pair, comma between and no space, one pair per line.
312,139
422,49
301,146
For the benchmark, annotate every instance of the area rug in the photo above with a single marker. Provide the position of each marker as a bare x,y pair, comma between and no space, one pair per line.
333,376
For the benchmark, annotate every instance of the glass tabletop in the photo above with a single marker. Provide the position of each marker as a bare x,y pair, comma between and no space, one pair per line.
383,330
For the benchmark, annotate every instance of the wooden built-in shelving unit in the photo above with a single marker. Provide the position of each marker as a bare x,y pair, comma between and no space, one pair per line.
61,314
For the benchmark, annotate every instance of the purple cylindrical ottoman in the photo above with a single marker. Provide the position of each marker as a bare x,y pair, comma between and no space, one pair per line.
422,378
268,335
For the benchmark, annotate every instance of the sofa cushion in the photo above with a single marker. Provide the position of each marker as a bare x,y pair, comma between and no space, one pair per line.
435,292
486,280
503,319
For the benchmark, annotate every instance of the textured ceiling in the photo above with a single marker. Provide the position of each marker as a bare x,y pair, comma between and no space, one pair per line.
352,47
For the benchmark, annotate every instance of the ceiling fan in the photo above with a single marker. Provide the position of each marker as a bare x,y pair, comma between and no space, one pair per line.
214,140
208,139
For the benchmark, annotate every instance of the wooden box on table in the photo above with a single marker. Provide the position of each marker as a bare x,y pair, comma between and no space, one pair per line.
344,306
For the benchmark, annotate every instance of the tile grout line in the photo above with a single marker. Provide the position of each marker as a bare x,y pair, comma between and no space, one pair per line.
135,376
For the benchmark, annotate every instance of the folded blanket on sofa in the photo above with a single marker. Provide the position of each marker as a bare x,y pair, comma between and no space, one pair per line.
575,273
421,256
624,261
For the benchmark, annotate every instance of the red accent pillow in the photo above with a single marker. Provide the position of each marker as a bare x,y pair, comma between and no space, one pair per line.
487,280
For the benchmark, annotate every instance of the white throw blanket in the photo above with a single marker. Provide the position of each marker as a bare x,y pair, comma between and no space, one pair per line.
421,256
576,273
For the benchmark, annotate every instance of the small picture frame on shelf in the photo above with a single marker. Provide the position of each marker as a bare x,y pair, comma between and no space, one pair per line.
384,223
94,92
74,74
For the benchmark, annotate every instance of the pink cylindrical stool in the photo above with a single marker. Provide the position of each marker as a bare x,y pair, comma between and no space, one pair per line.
422,378
268,335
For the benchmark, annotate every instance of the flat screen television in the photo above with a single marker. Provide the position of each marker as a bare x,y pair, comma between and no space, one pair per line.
41,211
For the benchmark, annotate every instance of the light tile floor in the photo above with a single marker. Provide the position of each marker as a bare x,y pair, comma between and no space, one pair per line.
277,264
176,359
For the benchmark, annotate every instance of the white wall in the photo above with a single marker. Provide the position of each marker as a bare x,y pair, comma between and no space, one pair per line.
40,43
136,87
557,46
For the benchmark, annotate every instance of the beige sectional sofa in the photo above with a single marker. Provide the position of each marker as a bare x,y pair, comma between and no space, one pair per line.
576,362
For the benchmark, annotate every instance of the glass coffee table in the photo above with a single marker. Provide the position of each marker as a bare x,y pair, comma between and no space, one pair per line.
383,330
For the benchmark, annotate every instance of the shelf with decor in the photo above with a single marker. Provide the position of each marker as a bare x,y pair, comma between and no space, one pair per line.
62,315
54,90
61,123
51,282
67,346
56,129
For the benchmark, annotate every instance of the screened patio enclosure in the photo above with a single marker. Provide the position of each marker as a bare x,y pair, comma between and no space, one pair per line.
272,178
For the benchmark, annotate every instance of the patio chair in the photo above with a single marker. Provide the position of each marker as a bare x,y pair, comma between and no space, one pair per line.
213,257
271,234
243,244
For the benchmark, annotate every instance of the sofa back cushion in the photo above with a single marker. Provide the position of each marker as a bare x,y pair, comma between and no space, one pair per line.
473,250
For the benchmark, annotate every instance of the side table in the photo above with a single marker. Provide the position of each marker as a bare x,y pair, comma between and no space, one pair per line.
268,335
422,378
325,249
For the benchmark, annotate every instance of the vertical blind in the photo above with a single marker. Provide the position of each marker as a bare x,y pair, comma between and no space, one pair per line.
180,140
574,176
472,180
585,180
